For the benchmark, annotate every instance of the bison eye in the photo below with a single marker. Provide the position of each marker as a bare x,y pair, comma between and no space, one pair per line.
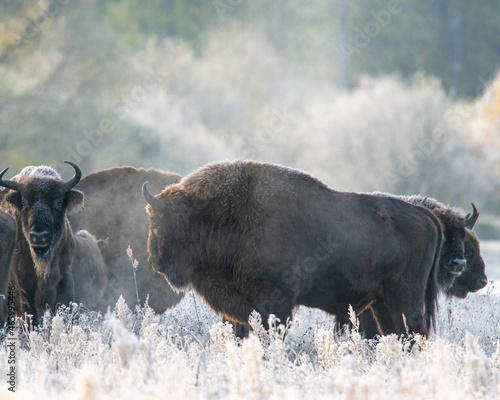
58,204
24,203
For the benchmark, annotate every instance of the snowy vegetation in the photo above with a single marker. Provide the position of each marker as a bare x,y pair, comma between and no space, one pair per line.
187,353
106,83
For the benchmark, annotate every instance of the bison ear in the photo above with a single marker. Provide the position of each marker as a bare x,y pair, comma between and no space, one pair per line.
14,198
74,201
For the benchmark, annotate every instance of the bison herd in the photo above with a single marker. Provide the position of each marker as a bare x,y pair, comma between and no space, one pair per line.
244,235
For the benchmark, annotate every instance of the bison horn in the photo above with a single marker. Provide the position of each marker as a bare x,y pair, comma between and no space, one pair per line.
471,220
422,203
9,184
76,178
153,201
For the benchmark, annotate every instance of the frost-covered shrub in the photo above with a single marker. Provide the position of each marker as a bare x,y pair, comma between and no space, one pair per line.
239,98
188,353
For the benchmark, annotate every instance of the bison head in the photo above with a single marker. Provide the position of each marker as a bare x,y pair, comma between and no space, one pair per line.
474,276
39,199
452,259
167,238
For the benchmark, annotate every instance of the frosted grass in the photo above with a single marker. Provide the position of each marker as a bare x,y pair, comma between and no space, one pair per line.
187,353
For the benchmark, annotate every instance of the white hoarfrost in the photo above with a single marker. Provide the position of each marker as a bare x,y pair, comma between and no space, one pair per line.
188,353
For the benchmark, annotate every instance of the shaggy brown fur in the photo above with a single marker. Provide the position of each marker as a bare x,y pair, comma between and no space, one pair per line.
115,209
473,277
255,236
42,268
452,260
458,240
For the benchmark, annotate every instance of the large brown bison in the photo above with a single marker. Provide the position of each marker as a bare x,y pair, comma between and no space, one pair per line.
256,236
39,199
114,210
453,279
7,244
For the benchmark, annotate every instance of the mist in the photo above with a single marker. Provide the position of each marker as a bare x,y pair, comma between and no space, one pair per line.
395,96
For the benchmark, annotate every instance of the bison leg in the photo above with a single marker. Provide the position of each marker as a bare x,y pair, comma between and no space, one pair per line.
342,320
243,330
406,309
65,290
368,325
240,330
45,296
378,321
282,312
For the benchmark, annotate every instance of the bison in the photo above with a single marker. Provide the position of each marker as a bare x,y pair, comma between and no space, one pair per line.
89,271
474,277
8,231
39,200
455,227
257,236
471,280
453,278
114,209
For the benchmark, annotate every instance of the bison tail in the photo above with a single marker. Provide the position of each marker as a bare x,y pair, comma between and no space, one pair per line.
432,288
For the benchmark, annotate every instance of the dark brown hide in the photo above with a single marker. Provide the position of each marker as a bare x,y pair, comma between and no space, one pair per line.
89,271
255,236
115,209
452,259
472,278
7,244
39,199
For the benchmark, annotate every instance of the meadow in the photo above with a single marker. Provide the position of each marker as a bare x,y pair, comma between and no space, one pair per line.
102,84
187,353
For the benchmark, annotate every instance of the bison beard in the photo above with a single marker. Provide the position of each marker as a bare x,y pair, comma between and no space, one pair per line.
245,235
